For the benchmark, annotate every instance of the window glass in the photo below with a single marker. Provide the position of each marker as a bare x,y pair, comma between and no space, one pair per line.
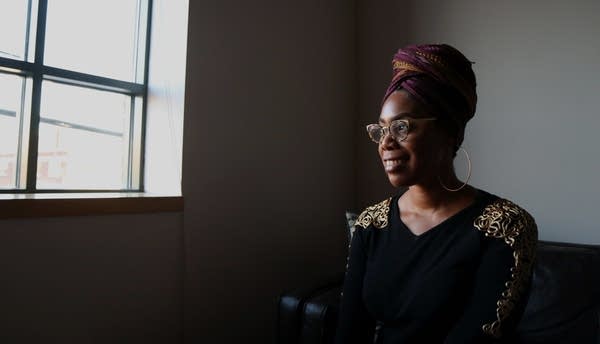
93,37
71,114
11,88
84,138
100,110
13,20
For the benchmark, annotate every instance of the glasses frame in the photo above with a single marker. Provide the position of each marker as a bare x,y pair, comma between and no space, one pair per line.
386,129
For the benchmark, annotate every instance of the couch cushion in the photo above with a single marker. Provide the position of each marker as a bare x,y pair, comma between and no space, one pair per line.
564,299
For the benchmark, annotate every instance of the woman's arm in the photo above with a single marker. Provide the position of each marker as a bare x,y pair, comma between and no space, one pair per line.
355,325
503,277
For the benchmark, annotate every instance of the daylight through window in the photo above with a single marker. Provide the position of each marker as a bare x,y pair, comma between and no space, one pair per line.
73,85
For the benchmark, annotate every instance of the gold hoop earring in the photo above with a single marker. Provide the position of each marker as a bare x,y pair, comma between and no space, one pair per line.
468,174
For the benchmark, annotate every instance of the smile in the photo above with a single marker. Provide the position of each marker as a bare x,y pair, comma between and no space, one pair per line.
392,163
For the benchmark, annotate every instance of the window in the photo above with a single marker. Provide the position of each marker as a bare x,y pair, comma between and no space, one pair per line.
73,89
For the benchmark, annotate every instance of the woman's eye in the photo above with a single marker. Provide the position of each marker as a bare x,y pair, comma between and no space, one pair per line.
400,126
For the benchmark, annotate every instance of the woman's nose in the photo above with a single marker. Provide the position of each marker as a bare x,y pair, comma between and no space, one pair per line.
388,141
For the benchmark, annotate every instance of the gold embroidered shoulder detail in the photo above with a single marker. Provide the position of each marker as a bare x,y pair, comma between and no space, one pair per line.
507,221
376,214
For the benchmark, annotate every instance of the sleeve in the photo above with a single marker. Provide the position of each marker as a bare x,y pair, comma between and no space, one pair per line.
502,278
355,325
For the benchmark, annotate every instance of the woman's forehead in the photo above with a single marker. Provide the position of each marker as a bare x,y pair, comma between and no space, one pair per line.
398,105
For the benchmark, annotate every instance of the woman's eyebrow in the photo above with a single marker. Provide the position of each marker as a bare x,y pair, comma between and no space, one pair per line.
401,115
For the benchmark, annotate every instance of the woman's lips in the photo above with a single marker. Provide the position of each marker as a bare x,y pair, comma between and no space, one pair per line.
392,165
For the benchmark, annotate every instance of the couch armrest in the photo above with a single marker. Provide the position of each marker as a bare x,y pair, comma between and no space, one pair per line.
320,316
292,308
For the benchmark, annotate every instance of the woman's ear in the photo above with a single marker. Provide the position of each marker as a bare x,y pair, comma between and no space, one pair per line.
447,150
450,142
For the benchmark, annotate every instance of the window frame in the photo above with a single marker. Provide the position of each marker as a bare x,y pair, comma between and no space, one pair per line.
37,72
86,204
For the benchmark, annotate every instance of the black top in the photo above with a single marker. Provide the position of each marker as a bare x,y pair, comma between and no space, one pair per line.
463,281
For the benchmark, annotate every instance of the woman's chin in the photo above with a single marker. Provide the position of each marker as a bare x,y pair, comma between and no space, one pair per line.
398,180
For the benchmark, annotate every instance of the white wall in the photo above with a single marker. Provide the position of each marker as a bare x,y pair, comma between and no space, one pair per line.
534,136
268,158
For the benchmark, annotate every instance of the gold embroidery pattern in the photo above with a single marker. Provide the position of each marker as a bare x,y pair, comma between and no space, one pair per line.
432,58
376,214
507,221
402,65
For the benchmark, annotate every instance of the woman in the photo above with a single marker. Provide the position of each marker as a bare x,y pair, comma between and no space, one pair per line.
443,262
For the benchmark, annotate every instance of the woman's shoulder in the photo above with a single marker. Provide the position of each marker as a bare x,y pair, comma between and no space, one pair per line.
376,215
504,219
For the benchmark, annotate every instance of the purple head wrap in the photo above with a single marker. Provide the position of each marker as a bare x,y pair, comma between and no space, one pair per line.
441,78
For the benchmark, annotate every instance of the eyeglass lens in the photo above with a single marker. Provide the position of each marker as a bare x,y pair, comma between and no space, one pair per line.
398,130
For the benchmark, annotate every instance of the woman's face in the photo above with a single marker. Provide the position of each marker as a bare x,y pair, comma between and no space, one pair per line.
423,155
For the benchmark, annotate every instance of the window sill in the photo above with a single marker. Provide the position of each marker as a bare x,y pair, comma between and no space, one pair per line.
69,204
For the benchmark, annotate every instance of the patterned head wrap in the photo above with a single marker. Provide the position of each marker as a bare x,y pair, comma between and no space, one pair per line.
441,78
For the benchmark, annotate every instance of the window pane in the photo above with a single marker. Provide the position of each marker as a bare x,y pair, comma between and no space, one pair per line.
11,88
83,139
78,159
13,20
85,106
95,37
8,152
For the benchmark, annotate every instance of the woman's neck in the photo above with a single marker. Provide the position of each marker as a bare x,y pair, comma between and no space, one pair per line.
432,195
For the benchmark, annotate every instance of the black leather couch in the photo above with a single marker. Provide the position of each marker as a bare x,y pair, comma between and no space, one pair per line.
563,304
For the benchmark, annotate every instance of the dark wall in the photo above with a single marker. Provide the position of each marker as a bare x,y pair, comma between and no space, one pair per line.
268,157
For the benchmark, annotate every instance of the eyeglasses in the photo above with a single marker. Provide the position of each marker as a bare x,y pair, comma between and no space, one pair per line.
398,129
